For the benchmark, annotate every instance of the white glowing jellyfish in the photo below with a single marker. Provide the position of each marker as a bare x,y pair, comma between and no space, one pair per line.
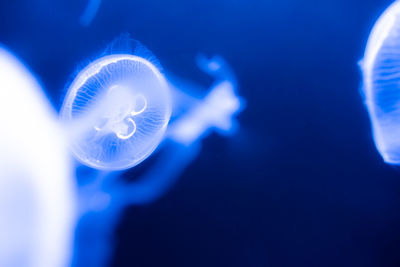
381,83
117,108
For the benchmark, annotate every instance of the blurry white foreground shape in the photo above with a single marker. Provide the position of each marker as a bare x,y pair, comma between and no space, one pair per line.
36,185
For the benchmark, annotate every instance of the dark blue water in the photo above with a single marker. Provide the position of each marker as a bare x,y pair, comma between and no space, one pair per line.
301,184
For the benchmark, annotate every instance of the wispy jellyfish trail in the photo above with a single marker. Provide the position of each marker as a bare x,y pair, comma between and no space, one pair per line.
216,111
90,12
381,83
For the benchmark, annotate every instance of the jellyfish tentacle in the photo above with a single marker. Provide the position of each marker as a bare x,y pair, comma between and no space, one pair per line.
216,111
217,67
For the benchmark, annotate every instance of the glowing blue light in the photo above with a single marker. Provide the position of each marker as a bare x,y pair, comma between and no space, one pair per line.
119,107
381,84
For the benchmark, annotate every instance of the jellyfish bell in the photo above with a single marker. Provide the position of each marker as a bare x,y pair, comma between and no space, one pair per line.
381,83
118,108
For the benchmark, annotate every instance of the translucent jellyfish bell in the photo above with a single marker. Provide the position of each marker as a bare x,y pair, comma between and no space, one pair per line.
118,108
381,84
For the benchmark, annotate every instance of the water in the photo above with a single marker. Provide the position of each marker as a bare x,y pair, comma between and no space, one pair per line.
300,184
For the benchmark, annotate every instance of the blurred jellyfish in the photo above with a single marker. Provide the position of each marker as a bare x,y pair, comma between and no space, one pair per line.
121,103
381,83
116,112
37,197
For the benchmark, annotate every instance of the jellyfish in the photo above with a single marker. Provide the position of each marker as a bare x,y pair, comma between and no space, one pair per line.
381,83
37,192
197,112
117,111
119,106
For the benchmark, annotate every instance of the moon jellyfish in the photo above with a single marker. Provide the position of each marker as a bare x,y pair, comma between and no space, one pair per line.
119,105
381,83
37,201
198,111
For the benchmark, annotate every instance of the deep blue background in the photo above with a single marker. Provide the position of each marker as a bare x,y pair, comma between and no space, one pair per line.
301,184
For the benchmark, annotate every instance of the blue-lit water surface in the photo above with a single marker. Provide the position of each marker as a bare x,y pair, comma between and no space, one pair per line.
300,184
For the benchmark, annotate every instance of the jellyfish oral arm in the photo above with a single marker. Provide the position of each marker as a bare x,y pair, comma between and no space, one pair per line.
216,111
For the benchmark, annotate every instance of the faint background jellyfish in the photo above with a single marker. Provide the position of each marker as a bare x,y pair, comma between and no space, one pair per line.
381,83
37,192
118,108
